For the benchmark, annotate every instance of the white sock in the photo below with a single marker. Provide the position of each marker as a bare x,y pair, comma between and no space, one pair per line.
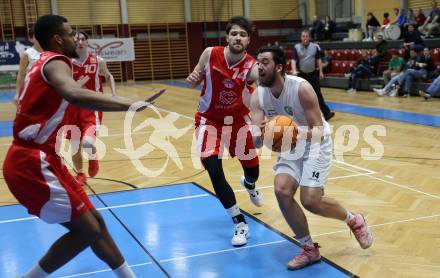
307,240
233,211
349,217
36,272
124,271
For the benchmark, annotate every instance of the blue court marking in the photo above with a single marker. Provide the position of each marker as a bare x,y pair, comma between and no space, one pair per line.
6,128
387,114
182,226
190,237
7,96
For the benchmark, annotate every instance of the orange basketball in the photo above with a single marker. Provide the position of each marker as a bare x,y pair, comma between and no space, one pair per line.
280,134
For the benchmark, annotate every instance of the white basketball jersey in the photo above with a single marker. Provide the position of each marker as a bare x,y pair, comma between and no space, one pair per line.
287,104
33,56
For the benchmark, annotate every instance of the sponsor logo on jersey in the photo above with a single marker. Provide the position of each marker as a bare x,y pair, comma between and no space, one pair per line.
228,83
288,110
92,60
227,97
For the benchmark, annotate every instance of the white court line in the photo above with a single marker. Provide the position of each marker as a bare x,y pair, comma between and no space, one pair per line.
382,224
155,202
390,182
183,258
223,251
161,201
103,270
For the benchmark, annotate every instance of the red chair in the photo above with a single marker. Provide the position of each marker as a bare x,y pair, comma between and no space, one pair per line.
336,68
338,55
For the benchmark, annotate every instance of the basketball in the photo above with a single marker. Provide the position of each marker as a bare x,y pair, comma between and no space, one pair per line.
280,134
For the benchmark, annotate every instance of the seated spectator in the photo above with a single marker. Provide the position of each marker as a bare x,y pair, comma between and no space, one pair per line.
391,87
329,28
386,19
395,66
420,18
372,26
317,29
411,18
380,52
413,40
326,61
401,19
362,69
424,64
433,89
431,23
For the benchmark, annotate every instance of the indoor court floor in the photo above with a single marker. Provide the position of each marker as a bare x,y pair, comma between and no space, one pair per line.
160,207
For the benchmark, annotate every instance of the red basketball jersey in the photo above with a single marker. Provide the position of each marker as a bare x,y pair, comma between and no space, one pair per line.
90,67
224,87
40,110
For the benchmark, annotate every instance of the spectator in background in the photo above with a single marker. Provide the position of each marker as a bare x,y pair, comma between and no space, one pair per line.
362,69
372,26
27,59
395,66
380,52
317,29
423,65
411,17
307,64
329,28
433,89
413,39
431,23
326,62
386,19
391,87
401,20
420,18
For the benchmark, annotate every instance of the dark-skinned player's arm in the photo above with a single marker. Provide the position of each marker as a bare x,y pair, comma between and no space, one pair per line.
59,75
258,121
197,75
310,105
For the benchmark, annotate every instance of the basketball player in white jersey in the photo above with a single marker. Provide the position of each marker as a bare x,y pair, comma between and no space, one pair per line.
291,96
27,59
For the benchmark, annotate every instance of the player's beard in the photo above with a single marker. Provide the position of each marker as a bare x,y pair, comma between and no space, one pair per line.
71,52
236,51
270,79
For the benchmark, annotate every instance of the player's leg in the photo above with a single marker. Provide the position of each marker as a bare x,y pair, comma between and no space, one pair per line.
83,232
93,159
313,178
208,140
105,248
242,146
225,194
287,175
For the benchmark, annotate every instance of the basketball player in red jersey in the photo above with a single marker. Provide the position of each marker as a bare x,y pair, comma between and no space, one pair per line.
222,118
88,68
33,171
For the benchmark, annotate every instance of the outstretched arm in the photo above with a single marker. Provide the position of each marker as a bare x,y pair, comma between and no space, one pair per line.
24,61
196,76
59,76
107,75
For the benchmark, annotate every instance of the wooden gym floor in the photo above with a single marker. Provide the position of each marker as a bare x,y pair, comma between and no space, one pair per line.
398,192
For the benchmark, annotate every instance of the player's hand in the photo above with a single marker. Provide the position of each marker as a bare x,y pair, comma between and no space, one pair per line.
263,124
195,78
321,75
